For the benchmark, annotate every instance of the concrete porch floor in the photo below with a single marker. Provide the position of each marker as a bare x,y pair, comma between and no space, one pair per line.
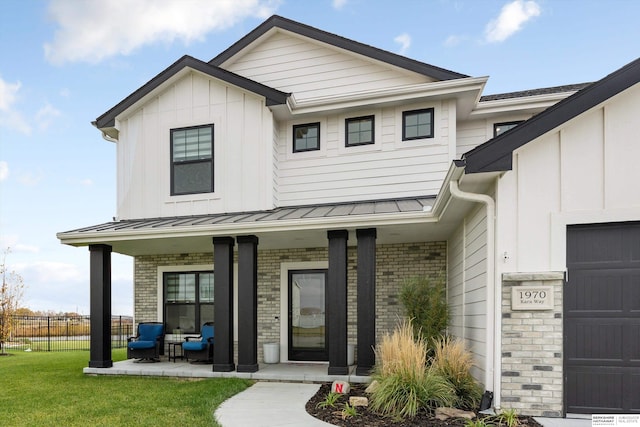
290,372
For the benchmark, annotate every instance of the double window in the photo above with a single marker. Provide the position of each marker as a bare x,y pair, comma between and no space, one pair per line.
192,160
188,300
306,137
417,124
359,131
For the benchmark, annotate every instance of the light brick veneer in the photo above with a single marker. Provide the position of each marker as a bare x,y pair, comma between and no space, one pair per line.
395,264
532,349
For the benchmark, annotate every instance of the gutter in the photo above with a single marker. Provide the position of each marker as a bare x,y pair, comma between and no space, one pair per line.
492,373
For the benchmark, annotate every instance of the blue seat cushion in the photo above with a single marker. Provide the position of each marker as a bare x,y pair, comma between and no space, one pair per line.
149,332
140,345
194,345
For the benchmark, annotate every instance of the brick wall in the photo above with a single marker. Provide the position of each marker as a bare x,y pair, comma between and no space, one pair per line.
395,263
532,349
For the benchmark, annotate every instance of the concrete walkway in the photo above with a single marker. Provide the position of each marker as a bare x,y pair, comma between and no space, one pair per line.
278,404
270,404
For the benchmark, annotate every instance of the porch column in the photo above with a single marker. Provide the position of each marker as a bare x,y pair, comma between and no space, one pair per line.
247,303
223,304
337,302
100,306
366,300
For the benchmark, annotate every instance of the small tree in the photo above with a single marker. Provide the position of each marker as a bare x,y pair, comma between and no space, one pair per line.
425,302
11,293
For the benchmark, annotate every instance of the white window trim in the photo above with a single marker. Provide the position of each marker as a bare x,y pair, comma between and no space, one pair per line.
420,142
322,152
377,129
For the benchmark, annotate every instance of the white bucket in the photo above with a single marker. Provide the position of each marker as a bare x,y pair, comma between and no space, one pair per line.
271,352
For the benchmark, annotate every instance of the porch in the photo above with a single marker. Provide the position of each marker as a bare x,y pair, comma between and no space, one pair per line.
291,372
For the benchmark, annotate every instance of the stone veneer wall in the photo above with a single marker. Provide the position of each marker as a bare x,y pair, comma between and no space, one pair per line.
395,263
532,349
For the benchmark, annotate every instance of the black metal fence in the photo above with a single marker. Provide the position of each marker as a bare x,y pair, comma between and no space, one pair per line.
63,333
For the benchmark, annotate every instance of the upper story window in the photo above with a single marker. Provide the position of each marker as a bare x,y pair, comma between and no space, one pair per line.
359,131
306,137
192,160
500,128
417,124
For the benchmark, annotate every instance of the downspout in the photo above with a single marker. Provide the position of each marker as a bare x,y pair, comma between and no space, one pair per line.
492,374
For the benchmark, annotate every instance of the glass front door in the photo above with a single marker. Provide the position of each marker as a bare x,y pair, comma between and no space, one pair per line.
307,331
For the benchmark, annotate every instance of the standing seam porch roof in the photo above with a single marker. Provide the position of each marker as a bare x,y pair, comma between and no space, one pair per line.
281,214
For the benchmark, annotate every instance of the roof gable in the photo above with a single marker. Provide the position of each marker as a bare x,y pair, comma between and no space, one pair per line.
273,96
497,154
276,21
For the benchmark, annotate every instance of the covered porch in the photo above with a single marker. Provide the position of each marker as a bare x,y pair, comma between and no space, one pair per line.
292,372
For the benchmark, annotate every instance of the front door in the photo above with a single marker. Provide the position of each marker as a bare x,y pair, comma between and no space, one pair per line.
307,331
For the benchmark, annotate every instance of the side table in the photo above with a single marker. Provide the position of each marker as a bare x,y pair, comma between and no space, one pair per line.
173,347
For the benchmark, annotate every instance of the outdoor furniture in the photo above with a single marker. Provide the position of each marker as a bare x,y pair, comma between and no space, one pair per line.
148,344
200,348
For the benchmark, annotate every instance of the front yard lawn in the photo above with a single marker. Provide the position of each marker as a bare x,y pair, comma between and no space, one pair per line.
49,389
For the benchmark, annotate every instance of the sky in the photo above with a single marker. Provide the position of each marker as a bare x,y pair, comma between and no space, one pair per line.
65,62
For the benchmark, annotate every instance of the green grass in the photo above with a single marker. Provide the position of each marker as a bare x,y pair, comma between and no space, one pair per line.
49,389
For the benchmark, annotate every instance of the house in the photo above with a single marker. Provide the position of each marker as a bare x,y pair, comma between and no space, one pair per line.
286,189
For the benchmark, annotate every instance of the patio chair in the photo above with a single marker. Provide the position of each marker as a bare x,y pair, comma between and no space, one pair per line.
200,348
148,344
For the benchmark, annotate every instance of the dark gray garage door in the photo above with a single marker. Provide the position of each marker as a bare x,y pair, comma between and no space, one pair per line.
602,319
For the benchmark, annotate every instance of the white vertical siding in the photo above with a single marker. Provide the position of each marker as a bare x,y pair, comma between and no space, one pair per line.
583,172
311,69
242,145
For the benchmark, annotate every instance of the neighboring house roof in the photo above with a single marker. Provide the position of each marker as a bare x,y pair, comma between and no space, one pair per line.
337,41
319,211
535,92
273,96
496,154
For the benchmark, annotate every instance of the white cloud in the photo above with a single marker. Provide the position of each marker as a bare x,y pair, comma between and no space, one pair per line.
9,118
51,272
338,4
404,40
4,170
454,40
46,115
92,30
512,17
30,179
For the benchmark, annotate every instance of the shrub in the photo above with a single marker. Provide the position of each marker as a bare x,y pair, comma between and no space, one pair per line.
425,303
454,363
405,383
330,400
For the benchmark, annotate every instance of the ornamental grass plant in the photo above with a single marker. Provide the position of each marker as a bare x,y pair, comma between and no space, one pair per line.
405,383
452,361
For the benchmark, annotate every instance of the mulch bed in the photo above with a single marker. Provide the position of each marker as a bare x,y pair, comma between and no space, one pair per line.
367,418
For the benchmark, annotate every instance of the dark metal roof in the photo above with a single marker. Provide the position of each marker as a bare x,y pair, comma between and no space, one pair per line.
273,96
338,41
497,154
535,92
283,214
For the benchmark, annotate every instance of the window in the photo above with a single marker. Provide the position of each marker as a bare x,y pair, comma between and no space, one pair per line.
188,300
417,124
306,137
500,128
192,160
359,131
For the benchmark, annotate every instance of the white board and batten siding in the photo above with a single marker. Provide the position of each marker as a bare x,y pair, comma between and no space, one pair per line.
311,69
390,168
583,172
467,291
243,135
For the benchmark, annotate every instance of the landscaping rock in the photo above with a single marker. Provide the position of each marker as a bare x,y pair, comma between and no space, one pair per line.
358,401
341,387
446,413
374,385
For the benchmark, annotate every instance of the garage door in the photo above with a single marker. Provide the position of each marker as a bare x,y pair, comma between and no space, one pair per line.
602,319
